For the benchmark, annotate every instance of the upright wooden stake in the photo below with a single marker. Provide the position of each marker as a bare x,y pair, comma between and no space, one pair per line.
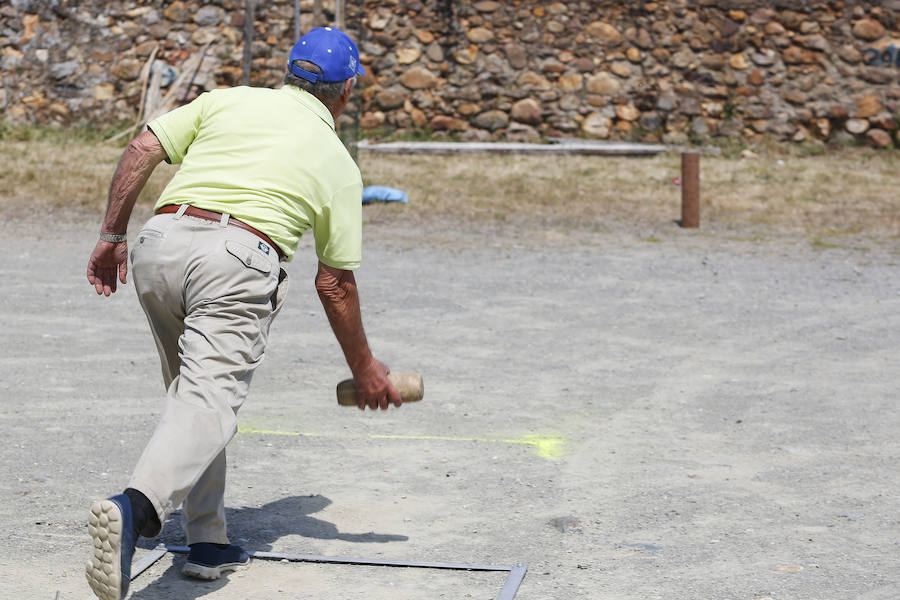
317,13
339,13
249,28
690,189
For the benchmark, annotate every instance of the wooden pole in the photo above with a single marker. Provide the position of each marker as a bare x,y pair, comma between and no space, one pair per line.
296,20
690,189
249,28
317,13
339,13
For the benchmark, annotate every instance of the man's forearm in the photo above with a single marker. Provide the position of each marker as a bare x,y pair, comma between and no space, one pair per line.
338,292
137,163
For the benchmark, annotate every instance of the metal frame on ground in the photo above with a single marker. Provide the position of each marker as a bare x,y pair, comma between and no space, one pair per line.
507,592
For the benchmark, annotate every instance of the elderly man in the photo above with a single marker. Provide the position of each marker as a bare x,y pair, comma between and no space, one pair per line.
258,168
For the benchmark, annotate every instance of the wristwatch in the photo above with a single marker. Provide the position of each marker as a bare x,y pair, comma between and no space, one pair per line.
114,238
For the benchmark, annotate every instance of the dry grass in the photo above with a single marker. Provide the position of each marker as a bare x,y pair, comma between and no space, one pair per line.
852,191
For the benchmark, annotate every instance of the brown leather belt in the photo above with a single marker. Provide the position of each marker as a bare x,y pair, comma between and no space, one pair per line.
193,211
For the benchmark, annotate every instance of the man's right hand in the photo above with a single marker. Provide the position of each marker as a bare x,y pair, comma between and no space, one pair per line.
374,389
108,263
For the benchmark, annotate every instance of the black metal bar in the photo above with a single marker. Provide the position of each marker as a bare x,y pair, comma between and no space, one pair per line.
313,558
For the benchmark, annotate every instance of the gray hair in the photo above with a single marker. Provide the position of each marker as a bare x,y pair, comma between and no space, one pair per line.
329,92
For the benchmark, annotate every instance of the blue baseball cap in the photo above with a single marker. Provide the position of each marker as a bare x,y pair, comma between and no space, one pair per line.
331,50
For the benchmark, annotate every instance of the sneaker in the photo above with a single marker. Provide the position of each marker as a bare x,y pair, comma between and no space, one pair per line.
208,561
110,525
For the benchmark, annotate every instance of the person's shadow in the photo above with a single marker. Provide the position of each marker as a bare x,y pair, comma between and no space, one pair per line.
253,529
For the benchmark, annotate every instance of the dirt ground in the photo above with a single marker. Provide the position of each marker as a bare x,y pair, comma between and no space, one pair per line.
637,412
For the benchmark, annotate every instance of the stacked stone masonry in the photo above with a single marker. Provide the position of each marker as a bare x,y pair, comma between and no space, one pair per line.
673,71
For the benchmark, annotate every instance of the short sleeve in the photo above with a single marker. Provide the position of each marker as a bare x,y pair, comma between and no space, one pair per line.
338,229
177,128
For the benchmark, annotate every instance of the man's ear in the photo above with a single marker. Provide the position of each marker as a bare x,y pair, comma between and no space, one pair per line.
348,87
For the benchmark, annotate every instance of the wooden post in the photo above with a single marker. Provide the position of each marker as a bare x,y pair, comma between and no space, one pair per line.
249,29
317,13
339,13
690,189
296,20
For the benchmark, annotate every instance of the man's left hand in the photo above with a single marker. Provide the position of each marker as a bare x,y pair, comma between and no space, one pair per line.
108,263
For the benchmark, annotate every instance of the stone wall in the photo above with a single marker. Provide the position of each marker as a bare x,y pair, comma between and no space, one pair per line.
668,70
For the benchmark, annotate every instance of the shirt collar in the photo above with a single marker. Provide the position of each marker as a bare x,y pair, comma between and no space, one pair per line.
310,102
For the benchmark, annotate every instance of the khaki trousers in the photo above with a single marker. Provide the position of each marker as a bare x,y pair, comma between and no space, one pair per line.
210,293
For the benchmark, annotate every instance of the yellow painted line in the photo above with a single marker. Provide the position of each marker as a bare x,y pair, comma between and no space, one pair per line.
549,447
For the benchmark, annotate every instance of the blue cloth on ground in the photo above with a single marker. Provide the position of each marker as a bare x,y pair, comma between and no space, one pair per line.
380,193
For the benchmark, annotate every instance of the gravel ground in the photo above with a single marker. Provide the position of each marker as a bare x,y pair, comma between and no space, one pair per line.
632,414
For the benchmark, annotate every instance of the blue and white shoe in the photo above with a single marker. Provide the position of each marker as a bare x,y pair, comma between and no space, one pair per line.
110,525
207,561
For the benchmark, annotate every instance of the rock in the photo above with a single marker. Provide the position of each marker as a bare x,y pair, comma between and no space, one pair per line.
424,36
466,56
798,55
596,125
739,61
527,110
689,106
418,117
176,12
884,120
555,27
650,121
515,54
755,77
667,101
520,132
418,78
447,123
128,69
868,106
715,62
634,55
583,65
491,120
209,16
868,29
700,127
856,126
879,138
794,96
683,58
621,68
762,16
391,98
64,69
435,52
626,112
480,35
813,42
530,79
552,66
764,58
822,128
372,120
487,6
104,91
570,82
604,32
408,55
603,83
728,28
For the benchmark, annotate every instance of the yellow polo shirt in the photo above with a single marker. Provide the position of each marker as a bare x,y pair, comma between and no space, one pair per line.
272,159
